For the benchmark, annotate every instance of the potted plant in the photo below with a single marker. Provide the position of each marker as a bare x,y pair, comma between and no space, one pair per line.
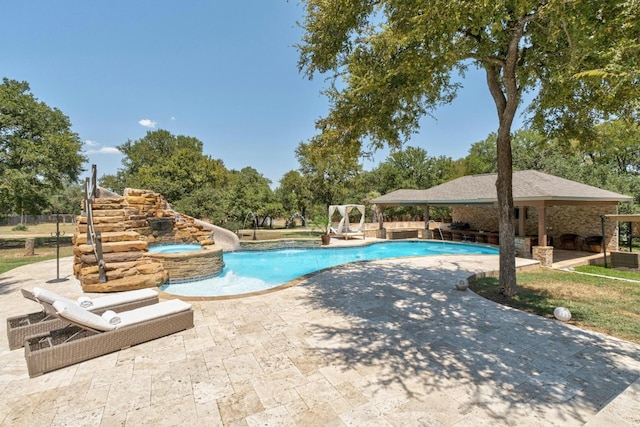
326,238
322,223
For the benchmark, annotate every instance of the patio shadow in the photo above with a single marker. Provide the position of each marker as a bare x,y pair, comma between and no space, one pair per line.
405,318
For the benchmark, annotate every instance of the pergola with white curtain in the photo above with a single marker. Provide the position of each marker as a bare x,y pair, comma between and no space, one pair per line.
344,227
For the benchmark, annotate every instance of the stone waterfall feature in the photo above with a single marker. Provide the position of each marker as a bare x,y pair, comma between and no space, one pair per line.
128,224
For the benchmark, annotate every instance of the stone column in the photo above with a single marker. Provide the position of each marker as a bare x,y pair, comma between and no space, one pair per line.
542,225
544,254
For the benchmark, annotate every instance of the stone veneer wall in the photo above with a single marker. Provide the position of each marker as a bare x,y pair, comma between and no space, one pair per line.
583,220
261,245
484,218
190,266
128,224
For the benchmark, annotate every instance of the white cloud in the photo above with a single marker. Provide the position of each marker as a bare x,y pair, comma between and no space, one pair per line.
90,143
173,119
109,150
101,150
148,123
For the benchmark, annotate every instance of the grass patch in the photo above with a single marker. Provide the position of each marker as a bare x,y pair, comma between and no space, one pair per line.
12,258
606,271
37,230
599,304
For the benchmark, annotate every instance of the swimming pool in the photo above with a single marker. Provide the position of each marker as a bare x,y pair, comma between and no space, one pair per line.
254,271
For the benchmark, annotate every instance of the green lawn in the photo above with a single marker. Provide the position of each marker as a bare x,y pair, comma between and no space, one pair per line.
12,247
596,303
12,258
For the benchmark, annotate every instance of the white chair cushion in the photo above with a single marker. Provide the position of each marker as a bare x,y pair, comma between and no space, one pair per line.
117,298
76,314
50,297
88,303
79,315
152,311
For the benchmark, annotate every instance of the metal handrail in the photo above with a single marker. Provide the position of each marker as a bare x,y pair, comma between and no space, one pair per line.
93,237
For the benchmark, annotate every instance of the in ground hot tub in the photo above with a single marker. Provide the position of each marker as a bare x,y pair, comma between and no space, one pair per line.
187,262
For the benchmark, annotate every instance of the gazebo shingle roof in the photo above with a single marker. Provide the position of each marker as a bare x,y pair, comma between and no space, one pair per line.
528,185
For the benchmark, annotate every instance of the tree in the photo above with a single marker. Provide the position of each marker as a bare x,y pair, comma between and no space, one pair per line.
68,202
531,150
295,194
249,193
203,203
481,157
608,161
328,167
598,48
174,166
392,62
614,156
38,151
410,167
405,168
616,143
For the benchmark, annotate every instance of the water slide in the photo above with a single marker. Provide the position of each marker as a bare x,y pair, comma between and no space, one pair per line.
224,238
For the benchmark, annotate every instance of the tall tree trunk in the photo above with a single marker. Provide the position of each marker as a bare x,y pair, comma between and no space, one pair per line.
504,187
501,79
506,105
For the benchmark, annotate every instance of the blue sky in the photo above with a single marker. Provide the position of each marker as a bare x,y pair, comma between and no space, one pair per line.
221,71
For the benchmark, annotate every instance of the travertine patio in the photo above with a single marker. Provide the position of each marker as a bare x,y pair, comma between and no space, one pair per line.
382,343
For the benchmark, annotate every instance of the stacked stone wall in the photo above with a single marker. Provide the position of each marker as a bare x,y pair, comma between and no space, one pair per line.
583,220
144,207
483,218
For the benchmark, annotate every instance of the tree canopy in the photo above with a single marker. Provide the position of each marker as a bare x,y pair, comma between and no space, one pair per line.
328,167
39,152
597,47
294,193
393,61
172,165
194,183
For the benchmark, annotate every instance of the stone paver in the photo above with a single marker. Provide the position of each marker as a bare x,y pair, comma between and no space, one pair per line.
385,343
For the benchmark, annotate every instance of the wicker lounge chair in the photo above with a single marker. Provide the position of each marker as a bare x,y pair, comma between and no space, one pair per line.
90,335
23,326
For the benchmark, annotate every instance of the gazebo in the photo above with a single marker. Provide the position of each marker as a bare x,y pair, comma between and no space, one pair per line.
344,227
545,206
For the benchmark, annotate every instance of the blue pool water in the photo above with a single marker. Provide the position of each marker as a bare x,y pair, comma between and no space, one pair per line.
175,249
253,271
